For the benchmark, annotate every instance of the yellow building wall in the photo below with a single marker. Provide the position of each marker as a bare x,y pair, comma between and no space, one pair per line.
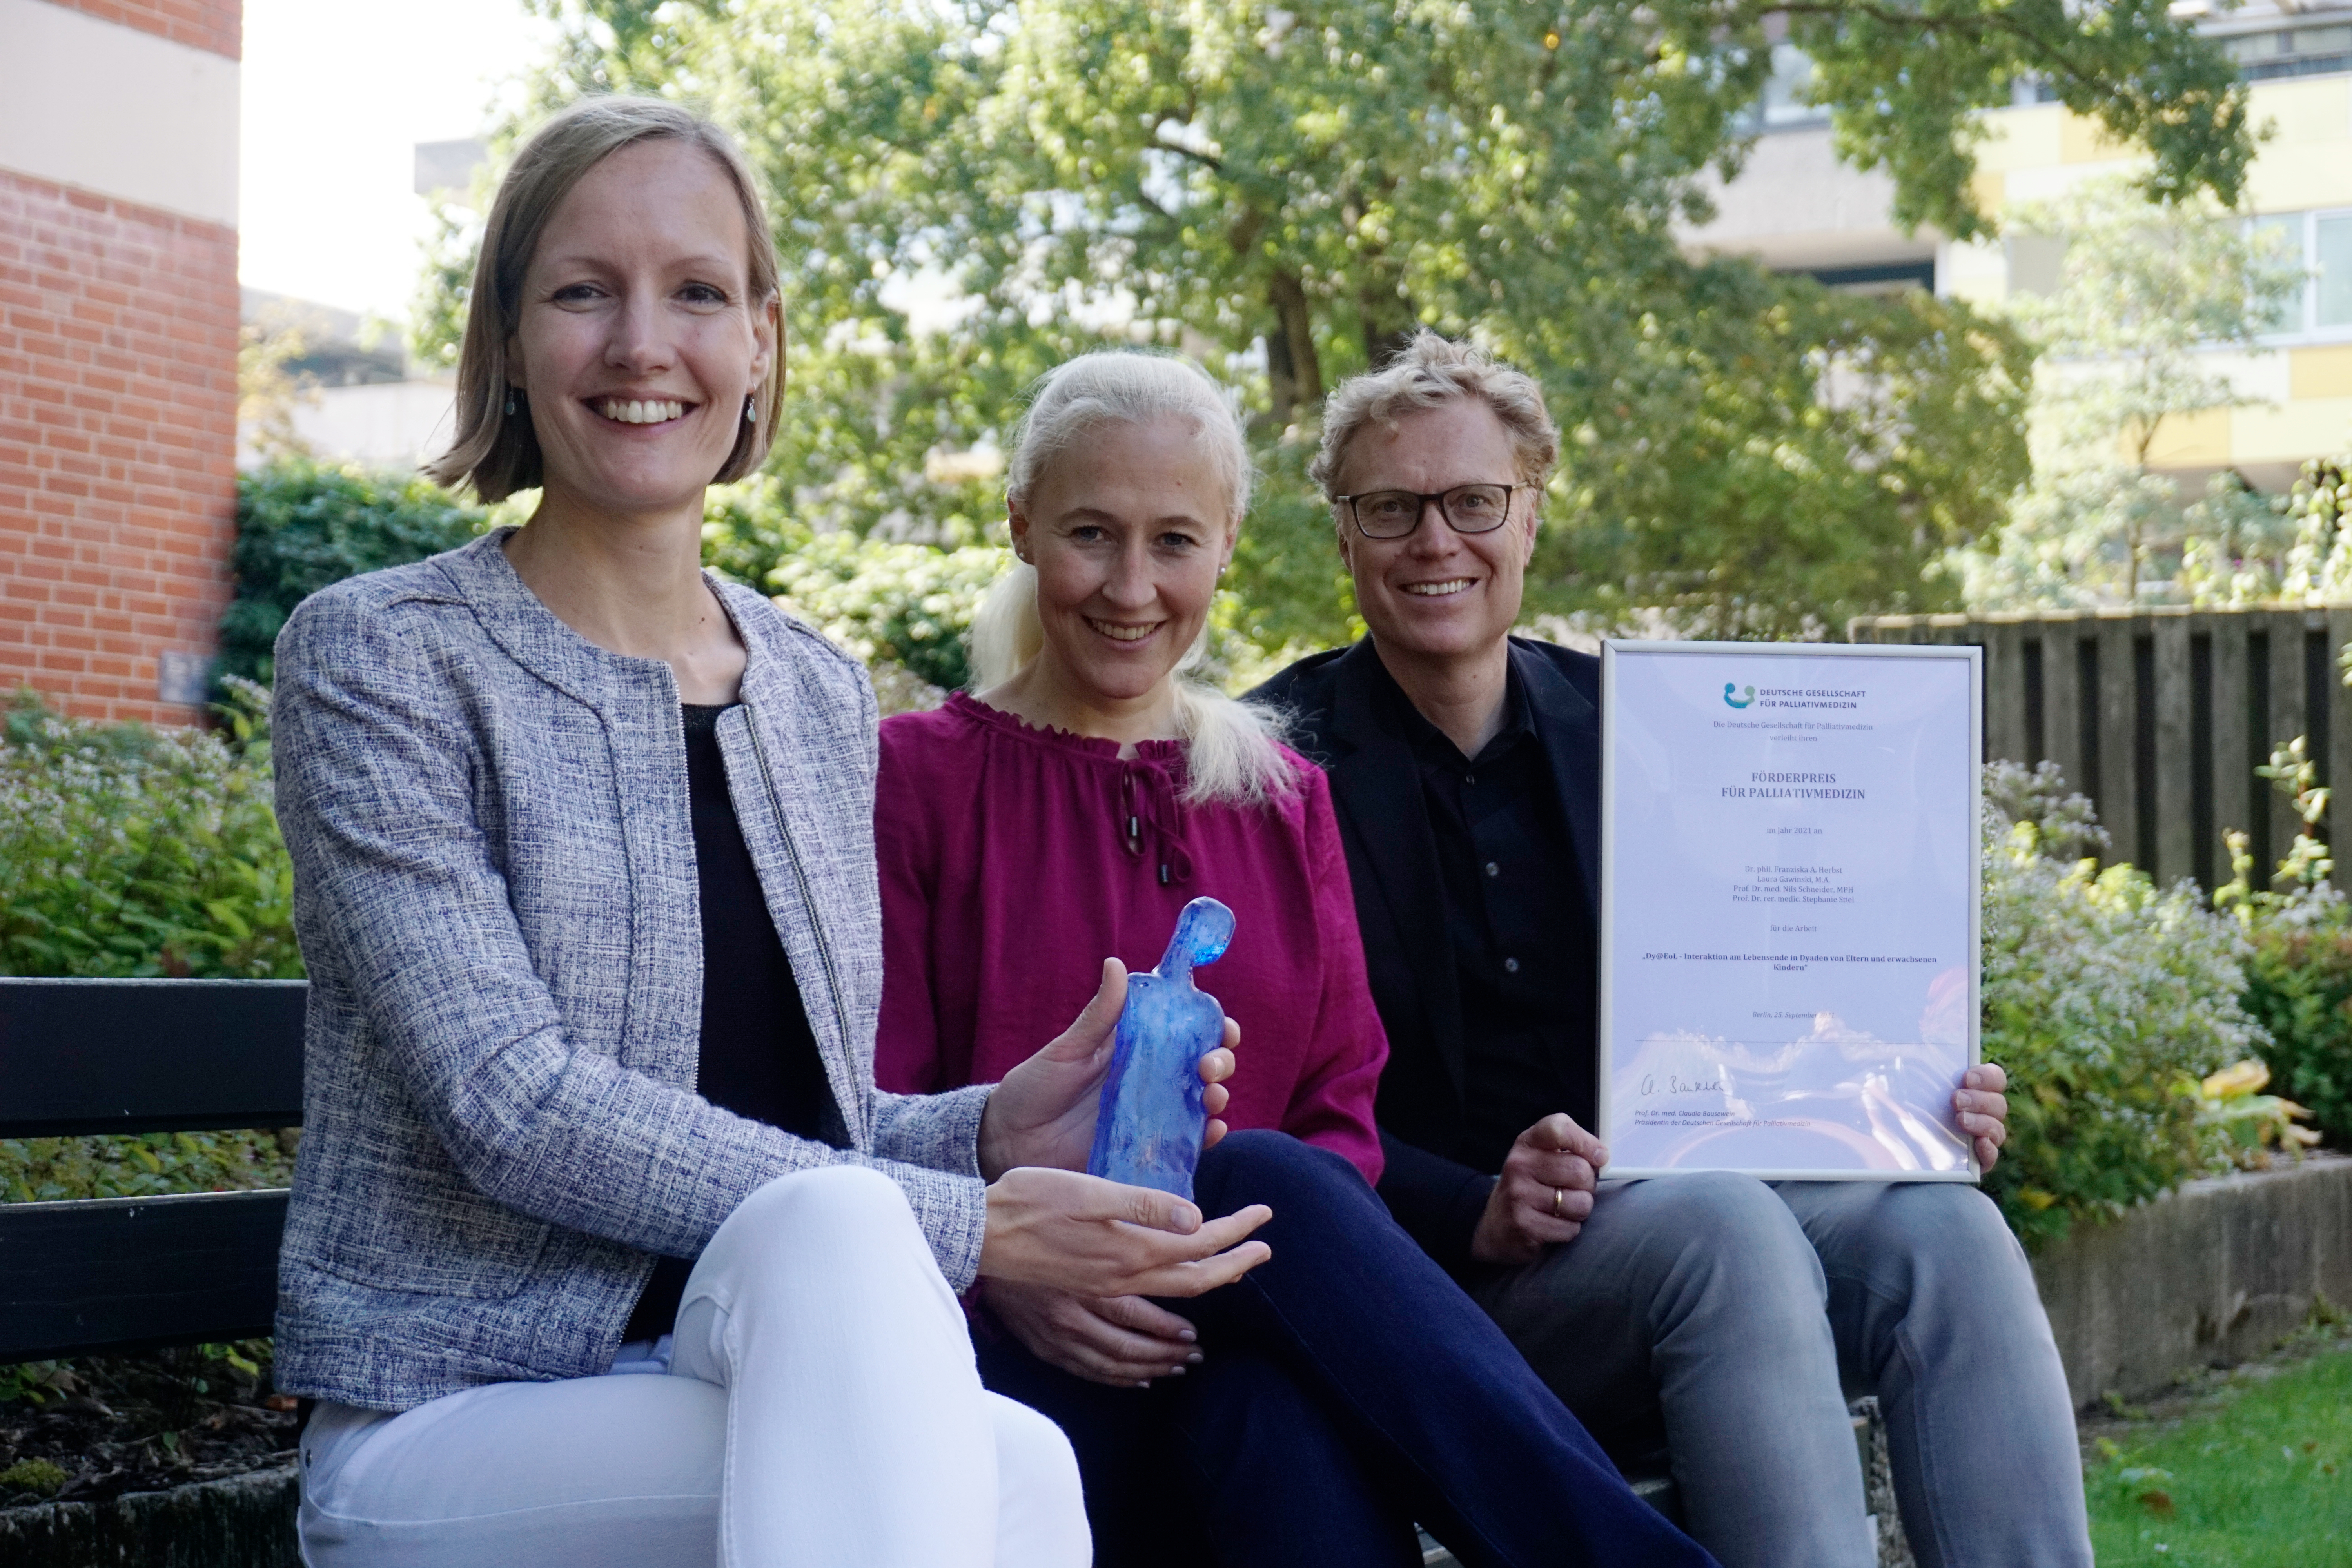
2191,441
2033,153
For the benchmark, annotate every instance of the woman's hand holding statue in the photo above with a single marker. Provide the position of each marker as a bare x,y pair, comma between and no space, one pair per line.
1043,1112
1051,1224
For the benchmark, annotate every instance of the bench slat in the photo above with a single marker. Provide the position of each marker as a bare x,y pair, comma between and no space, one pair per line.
149,1056
118,1274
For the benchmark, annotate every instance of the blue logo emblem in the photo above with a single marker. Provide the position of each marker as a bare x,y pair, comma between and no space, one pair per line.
1731,702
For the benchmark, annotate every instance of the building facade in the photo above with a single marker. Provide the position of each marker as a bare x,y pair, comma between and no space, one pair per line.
118,349
1796,208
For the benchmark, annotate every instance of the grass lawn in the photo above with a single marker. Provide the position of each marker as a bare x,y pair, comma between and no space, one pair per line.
2256,1471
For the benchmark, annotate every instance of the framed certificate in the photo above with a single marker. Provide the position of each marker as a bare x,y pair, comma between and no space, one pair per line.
1788,908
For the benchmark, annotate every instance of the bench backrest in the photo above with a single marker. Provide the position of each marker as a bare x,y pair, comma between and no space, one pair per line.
143,1056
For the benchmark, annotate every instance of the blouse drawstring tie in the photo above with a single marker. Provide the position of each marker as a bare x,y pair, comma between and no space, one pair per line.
1147,794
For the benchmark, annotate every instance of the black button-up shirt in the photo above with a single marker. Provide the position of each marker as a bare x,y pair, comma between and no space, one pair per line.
1524,946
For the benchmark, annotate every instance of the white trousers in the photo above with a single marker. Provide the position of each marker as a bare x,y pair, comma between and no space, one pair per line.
820,1407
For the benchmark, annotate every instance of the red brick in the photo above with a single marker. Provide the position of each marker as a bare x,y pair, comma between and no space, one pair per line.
118,423
215,27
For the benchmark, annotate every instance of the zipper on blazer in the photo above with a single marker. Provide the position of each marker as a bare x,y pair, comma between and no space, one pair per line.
800,878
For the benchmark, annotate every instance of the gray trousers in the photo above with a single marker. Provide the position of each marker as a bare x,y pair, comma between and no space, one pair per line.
1723,1322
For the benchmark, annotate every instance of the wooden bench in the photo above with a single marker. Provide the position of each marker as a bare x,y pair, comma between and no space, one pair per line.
109,1275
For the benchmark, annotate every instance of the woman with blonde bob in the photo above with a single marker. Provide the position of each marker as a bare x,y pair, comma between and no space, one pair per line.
585,880
1322,1404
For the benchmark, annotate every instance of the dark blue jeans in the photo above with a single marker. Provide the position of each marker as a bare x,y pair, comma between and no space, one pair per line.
1347,1389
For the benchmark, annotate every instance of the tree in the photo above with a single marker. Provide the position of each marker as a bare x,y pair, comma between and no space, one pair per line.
1288,192
2144,296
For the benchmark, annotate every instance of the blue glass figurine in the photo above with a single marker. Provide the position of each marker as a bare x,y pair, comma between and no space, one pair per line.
1147,1130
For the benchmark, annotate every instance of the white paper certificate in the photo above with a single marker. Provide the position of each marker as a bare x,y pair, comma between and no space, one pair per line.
1788,908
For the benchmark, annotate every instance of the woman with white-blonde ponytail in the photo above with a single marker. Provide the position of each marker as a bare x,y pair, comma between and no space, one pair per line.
1087,788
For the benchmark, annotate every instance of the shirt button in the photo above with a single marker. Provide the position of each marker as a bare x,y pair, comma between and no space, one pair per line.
1510,966
1469,778
1493,869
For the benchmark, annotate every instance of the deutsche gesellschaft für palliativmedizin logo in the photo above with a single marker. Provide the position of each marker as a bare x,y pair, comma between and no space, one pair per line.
1731,702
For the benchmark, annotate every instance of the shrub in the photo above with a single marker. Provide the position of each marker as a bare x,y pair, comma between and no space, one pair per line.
2299,980
126,850
141,1165
2109,1001
2299,985
908,605
303,524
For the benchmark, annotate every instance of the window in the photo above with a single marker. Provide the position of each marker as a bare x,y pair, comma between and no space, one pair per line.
2331,259
2283,231
2322,243
2301,51
1792,69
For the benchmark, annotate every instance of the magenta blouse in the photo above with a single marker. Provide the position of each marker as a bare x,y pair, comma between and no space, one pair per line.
1015,860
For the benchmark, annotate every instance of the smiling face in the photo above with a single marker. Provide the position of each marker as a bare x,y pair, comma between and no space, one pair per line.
1128,528
1435,593
638,339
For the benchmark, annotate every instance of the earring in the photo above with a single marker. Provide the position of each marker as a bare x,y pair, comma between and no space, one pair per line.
751,415
510,400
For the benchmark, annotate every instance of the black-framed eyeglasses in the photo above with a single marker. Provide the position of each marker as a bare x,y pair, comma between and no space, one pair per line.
1466,509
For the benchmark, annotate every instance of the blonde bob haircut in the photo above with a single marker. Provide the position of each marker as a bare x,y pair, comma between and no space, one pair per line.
1432,371
1232,749
497,452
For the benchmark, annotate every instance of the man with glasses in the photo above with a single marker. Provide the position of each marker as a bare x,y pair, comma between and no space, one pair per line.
1708,1322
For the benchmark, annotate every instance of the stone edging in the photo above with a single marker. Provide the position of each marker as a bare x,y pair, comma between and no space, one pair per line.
2212,1275
239,1522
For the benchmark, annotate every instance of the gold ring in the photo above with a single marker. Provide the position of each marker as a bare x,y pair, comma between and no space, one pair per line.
1559,1194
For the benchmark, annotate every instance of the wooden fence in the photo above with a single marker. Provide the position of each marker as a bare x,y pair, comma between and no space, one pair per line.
2161,716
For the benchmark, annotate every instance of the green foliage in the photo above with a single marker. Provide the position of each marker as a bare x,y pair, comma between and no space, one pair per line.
895,606
2299,978
2299,987
2108,1001
302,524
38,1476
45,1170
129,851
1904,79
1285,192
126,850
1822,450
907,604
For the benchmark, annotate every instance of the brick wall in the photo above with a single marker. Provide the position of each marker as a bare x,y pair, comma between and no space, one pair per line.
215,25
118,435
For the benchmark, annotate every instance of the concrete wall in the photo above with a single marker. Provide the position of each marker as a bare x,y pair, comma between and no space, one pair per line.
2213,1274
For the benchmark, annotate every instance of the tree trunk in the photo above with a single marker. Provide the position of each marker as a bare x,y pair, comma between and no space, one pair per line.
1388,320
1294,372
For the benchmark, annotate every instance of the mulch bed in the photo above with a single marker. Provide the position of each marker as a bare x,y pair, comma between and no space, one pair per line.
93,1430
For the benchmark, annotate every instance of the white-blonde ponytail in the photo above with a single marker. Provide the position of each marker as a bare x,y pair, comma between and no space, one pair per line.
1232,751
1006,631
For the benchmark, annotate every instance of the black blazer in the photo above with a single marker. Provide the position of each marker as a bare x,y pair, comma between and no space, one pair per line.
1392,860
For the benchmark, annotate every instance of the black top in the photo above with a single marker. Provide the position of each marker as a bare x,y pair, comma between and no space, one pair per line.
1514,922
1443,1118
759,1056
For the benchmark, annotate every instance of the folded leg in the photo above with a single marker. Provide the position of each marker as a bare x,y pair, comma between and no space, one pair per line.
1413,1372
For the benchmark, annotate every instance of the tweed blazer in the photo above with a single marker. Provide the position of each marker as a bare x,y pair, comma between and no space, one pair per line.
495,894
